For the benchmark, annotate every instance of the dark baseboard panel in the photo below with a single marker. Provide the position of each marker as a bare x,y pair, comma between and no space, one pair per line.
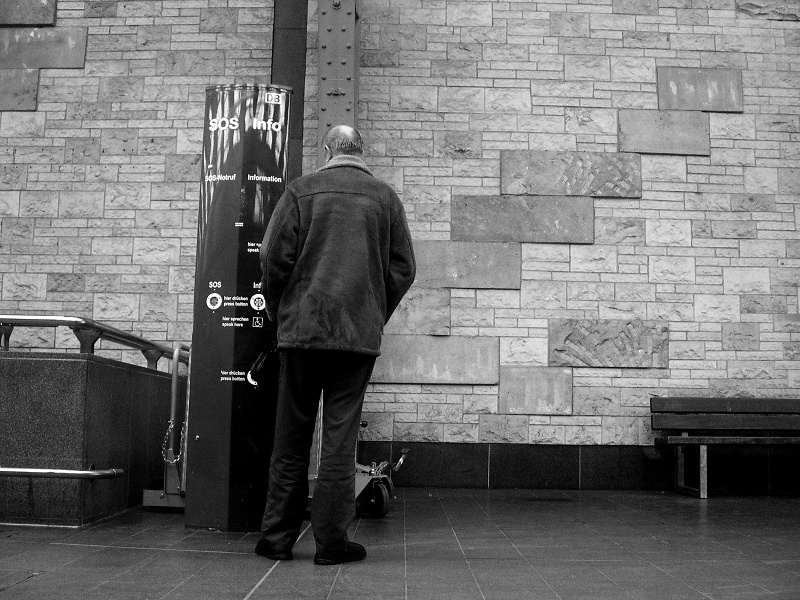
537,466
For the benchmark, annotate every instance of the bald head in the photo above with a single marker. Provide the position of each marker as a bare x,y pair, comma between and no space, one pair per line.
343,139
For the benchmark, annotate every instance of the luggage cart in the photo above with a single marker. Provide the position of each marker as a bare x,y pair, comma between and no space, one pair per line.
374,487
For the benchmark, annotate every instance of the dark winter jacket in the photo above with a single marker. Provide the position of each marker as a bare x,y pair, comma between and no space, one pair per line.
337,259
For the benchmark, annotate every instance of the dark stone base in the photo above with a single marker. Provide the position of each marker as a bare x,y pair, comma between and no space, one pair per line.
79,411
738,470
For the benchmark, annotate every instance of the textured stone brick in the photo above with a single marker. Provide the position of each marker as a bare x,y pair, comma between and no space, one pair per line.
82,151
509,101
664,168
635,7
645,39
413,98
732,126
733,229
633,69
528,351
468,265
570,173
27,12
456,99
457,144
218,20
608,343
422,311
668,232
57,48
22,124
593,259
591,121
149,251
740,336
689,88
100,9
763,304
671,269
543,219
38,204
582,45
23,286
535,391
716,308
469,14
596,400
18,89
121,89
543,294
503,429
9,204
116,307
184,63
12,177
789,181
581,66
159,308
183,167
73,205
121,196
418,432
620,431
745,280
114,142
438,360
616,230
569,24
664,132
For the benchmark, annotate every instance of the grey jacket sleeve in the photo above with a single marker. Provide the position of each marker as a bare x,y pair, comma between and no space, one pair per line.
278,251
402,263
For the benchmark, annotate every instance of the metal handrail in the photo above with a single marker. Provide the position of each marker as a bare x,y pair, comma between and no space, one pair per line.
62,473
89,331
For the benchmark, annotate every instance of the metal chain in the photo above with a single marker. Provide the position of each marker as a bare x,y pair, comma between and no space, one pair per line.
177,459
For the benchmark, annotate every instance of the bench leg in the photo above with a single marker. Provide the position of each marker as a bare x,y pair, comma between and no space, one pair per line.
703,471
680,472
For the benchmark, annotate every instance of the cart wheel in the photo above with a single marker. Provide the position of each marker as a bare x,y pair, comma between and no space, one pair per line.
380,503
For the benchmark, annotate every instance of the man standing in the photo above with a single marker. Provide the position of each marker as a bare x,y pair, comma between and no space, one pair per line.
337,259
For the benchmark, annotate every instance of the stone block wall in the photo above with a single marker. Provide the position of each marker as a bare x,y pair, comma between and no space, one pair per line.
603,196
640,156
101,125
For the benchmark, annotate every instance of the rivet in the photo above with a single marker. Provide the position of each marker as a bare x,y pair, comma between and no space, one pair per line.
324,12
349,78
329,29
348,45
322,108
329,62
324,77
344,62
344,28
325,46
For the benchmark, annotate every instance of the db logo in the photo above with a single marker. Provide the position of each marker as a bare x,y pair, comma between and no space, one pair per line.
257,302
223,123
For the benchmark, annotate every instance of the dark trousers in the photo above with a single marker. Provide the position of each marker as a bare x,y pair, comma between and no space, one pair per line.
342,379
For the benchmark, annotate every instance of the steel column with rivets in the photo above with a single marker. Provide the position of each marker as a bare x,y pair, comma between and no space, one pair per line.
338,51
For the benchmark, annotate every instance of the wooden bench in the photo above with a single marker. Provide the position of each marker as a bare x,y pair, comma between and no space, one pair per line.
732,421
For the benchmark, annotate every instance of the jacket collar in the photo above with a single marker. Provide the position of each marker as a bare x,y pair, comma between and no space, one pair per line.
346,160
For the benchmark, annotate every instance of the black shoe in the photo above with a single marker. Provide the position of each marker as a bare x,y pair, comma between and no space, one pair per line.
351,553
264,549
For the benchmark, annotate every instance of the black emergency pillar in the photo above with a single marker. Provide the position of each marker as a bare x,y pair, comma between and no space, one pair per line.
231,422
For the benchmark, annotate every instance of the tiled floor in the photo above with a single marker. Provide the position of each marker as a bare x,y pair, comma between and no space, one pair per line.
439,544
